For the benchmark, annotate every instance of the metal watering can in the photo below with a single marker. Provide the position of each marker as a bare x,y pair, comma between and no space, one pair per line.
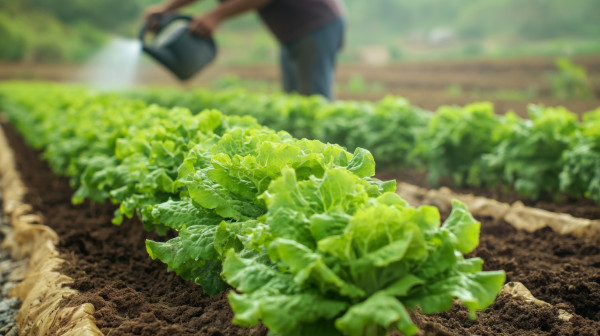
175,47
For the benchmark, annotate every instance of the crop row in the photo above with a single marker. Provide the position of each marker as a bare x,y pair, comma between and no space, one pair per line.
309,240
551,153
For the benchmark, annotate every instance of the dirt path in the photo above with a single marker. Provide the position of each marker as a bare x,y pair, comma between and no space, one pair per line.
9,306
136,296
510,84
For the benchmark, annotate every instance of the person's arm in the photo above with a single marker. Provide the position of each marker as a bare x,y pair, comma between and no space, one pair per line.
164,8
204,25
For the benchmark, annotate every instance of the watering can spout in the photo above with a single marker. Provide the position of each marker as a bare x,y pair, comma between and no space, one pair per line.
176,48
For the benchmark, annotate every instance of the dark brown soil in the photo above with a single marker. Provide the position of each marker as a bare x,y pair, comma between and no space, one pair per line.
583,208
508,316
561,270
136,296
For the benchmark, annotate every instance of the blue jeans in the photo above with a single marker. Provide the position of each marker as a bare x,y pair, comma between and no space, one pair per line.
308,63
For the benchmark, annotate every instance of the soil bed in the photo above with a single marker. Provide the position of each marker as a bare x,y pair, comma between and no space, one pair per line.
136,296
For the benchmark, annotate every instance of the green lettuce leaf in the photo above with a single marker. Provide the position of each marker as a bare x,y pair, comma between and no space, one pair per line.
376,316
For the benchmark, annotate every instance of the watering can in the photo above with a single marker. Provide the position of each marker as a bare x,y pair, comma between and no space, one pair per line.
175,47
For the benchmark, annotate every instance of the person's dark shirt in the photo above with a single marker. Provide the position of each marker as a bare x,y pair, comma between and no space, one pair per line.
290,19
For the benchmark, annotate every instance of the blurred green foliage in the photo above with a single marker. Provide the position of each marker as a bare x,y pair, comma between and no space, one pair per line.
66,31
517,19
39,37
570,81
71,30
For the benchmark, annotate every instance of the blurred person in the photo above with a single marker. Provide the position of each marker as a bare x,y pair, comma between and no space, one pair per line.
310,34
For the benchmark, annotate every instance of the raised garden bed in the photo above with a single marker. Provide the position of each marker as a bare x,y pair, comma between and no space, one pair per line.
136,296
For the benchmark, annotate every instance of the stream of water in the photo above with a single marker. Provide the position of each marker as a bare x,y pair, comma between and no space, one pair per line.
115,66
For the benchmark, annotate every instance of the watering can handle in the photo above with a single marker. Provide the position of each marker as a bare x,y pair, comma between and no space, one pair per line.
162,22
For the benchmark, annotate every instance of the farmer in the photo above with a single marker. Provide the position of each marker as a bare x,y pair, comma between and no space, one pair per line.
310,33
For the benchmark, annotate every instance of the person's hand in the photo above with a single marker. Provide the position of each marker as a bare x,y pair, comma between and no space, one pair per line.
154,11
205,25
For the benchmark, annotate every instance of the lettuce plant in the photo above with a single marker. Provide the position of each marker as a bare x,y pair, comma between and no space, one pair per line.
340,260
454,141
580,173
219,183
530,157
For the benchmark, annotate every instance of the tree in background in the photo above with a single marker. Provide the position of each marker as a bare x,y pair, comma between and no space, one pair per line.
62,31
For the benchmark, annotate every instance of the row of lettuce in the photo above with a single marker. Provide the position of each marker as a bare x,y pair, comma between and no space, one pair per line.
549,154
309,240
